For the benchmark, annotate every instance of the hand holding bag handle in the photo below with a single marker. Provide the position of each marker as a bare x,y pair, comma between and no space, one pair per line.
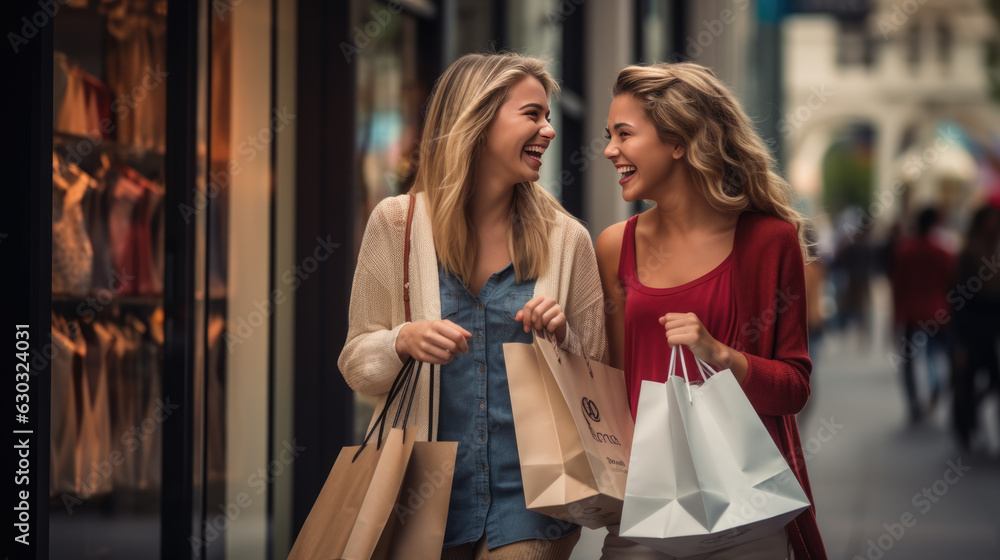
406,305
402,380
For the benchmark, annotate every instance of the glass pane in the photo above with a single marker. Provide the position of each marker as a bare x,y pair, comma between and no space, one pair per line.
391,93
535,32
109,102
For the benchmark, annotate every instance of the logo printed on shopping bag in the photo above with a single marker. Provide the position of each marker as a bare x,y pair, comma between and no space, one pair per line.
591,411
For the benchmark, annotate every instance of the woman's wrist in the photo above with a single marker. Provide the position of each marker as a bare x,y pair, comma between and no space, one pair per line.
722,356
733,360
400,343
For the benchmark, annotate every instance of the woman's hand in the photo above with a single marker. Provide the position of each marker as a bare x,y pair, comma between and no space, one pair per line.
686,329
543,313
432,342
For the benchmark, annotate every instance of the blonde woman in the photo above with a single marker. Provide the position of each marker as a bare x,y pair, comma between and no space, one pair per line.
493,256
716,265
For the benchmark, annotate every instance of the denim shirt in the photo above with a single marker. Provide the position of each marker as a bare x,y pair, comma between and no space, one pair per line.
487,495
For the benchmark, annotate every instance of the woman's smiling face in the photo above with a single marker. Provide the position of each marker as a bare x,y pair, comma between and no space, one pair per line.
644,161
519,134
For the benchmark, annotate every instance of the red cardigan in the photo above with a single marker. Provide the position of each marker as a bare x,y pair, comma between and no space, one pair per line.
771,311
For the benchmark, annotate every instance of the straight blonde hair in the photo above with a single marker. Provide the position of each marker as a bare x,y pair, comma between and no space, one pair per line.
464,102
729,162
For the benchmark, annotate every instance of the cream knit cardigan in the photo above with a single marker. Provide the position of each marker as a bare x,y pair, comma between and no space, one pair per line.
369,361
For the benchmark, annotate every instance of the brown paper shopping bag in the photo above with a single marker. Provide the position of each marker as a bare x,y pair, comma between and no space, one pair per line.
387,500
416,528
357,500
574,432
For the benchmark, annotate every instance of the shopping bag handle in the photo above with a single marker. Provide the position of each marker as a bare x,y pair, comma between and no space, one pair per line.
550,337
703,367
409,404
398,388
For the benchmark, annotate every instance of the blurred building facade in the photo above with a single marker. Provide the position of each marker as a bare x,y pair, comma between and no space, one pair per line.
915,76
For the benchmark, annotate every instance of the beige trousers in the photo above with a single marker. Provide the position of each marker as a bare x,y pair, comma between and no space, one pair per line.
774,547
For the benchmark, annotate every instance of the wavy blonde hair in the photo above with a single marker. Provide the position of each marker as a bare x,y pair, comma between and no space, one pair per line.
729,162
464,102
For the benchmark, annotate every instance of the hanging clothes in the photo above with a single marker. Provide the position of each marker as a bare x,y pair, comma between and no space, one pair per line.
60,75
63,415
72,253
99,342
135,57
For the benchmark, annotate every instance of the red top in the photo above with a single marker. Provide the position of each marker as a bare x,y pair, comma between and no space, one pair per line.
647,355
921,275
769,299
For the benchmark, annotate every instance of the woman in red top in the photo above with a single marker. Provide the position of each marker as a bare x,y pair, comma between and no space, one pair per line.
716,265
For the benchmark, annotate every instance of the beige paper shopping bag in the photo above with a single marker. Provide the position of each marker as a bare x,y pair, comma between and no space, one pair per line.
357,500
416,528
574,432
358,515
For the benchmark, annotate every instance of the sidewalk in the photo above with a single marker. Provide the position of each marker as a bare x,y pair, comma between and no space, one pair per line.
883,490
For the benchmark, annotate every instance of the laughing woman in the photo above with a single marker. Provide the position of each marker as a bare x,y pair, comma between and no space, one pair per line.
716,265
493,255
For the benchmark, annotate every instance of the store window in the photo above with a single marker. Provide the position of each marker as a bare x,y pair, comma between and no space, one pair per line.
394,80
109,141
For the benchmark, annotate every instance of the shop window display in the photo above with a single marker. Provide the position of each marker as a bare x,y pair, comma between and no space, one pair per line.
109,122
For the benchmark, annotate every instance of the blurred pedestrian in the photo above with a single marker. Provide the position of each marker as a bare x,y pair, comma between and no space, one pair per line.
816,277
853,265
921,275
977,322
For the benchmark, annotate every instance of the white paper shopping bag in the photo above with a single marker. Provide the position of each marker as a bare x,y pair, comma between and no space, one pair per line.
704,473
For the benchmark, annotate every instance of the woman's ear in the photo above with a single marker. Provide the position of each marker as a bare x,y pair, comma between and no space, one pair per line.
678,151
